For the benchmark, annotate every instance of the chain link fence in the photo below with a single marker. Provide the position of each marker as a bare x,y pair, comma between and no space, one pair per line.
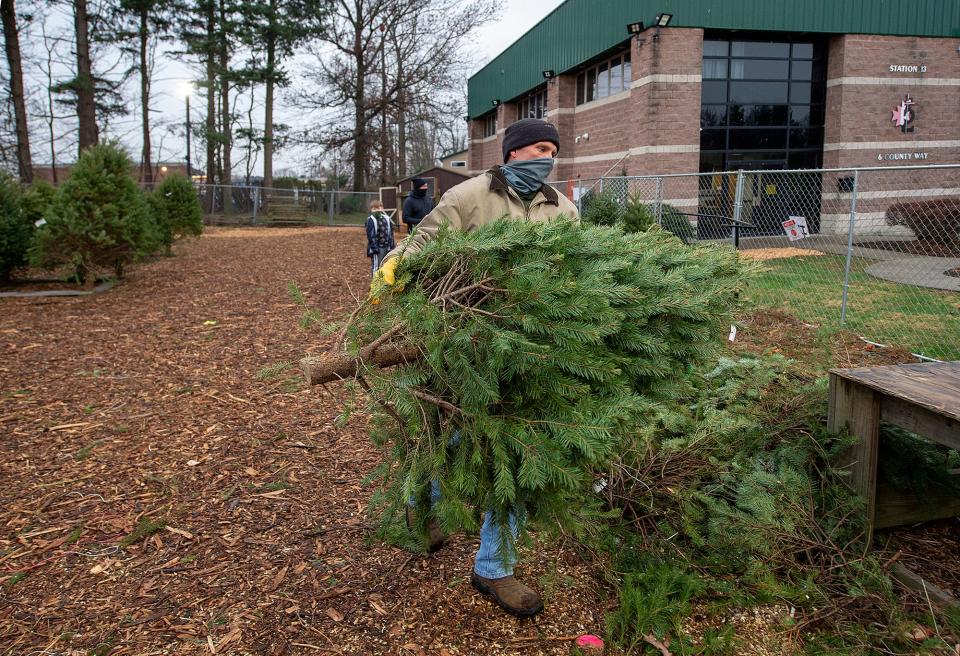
251,205
873,250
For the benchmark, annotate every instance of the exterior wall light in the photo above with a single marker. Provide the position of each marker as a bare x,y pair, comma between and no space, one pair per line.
662,20
548,75
635,28
496,102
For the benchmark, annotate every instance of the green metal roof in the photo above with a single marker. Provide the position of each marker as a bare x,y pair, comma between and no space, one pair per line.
578,30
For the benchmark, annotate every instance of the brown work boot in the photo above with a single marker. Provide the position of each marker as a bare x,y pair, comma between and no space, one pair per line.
512,596
435,536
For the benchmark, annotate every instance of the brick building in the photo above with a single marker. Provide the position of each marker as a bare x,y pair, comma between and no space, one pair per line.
57,175
714,85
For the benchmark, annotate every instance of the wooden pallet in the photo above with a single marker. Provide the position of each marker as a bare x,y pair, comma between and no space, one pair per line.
921,398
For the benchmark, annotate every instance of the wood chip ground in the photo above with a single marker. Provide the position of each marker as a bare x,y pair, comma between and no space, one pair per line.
156,416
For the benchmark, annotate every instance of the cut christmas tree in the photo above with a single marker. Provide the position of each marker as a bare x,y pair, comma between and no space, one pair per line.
507,363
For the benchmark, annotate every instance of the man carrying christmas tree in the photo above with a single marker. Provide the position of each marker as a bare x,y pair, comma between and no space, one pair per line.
515,189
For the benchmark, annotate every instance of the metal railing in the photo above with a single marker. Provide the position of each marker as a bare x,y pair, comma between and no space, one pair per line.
872,250
252,205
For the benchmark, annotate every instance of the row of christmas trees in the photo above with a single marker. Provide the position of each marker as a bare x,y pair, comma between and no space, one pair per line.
98,219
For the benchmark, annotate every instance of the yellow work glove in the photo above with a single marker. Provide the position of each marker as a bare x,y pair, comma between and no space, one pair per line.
388,270
386,275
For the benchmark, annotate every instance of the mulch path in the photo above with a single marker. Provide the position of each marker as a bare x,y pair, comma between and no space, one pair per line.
144,404
162,400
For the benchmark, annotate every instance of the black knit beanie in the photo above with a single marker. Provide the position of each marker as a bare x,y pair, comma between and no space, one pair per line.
528,131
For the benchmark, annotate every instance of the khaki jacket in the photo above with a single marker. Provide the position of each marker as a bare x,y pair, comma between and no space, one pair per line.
481,200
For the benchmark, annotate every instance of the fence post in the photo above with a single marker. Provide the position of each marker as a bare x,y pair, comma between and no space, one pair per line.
850,230
579,195
330,209
659,201
601,185
737,210
256,203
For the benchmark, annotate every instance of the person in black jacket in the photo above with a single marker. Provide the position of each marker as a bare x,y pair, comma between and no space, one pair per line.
417,205
379,235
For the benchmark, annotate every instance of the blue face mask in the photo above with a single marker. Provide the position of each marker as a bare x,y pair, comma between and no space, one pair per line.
527,176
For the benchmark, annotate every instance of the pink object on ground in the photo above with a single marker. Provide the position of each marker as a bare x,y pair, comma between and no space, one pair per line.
591,643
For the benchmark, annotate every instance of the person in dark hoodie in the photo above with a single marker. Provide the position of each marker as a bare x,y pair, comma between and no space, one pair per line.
417,205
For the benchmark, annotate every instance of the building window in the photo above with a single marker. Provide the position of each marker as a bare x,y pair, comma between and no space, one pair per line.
458,164
762,104
533,105
606,78
490,125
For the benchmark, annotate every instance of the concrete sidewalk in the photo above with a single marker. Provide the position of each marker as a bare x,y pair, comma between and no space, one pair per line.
919,271
916,270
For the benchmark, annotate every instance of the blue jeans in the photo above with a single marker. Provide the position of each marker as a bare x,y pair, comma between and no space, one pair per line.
489,562
377,259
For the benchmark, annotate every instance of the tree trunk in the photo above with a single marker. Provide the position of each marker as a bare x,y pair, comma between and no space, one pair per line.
12,41
86,104
146,165
401,112
211,122
360,153
268,101
226,140
337,365
401,135
48,69
384,146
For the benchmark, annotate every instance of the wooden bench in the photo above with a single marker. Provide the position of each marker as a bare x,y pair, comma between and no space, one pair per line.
921,398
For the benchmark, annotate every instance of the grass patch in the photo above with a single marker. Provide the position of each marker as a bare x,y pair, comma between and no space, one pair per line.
226,494
14,579
273,371
293,384
144,528
351,218
925,321
84,452
74,535
273,486
104,648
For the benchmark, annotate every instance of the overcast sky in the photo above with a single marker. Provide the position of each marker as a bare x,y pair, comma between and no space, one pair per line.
172,78
518,17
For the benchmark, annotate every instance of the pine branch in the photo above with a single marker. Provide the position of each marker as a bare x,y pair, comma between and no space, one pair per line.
440,403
